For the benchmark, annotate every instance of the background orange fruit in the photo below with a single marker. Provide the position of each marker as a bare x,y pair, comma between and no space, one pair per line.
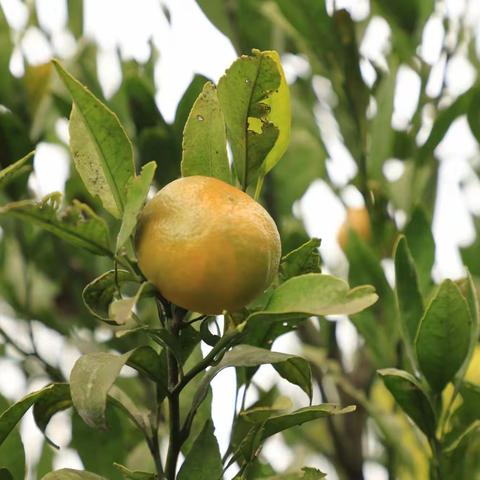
358,221
207,246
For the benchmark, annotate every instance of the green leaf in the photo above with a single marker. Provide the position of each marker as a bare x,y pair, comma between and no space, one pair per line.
469,291
148,362
306,474
249,447
406,19
24,165
134,475
100,147
169,341
422,247
379,330
45,463
316,33
409,14
269,329
316,294
5,474
204,138
54,400
115,444
259,414
304,259
99,294
411,397
294,369
470,407
204,412
203,461
443,336
6,48
12,454
409,299
91,384
235,20
280,423
473,115
268,402
381,134
37,84
139,91
459,438
309,25
137,190
443,121
90,381
75,17
12,415
77,224
365,267
69,474
15,141
118,398
255,101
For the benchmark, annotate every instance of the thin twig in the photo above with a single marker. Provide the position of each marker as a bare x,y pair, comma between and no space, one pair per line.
54,372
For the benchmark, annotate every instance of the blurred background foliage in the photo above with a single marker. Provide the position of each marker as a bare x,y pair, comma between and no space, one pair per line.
340,96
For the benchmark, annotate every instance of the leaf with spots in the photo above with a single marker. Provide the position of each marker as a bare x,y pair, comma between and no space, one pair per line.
255,100
77,224
90,381
100,147
93,376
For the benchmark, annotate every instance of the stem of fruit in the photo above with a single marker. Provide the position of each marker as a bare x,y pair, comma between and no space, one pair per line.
175,437
258,188
125,263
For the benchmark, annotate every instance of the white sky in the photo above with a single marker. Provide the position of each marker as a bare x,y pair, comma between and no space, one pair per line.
191,45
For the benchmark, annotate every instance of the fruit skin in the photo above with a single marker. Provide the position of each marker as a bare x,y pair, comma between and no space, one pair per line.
206,245
358,221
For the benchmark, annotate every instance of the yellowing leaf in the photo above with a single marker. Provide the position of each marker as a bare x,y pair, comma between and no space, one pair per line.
280,115
255,101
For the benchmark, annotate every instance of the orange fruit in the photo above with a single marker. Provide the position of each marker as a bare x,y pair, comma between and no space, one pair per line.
358,221
207,246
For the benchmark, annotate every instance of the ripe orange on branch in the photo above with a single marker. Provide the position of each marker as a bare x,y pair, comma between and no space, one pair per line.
206,245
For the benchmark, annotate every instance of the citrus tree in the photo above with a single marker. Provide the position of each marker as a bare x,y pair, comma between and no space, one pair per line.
175,251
